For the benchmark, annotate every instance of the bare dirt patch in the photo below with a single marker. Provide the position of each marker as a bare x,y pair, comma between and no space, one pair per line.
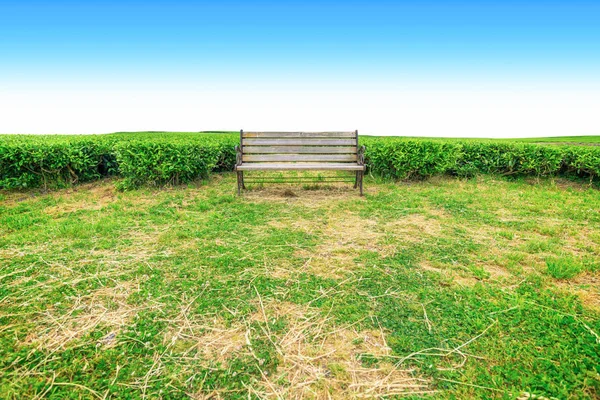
309,198
313,197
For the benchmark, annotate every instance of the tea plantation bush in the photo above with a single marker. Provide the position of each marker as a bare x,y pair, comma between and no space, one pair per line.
406,159
141,158
582,161
420,158
508,159
39,163
156,158
162,162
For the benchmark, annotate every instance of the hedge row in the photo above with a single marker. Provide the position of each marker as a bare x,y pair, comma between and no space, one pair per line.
141,159
163,162
417,159
158,159
41,164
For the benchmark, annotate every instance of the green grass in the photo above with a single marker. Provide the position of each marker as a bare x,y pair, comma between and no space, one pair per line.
566,140
180,135
481,288
556,139
563,268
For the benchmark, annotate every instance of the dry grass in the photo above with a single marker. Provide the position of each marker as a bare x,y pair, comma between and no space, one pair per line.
300,224
212,340
317,360
319,353
585,286
322,361
344,237
413,228
295,194
105,308
102,195
449,274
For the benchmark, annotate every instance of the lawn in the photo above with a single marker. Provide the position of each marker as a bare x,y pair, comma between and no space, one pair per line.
485,287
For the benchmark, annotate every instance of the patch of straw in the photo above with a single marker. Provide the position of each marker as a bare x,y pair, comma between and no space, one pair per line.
106,307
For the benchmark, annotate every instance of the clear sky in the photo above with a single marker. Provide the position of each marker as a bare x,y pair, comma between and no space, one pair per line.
435,68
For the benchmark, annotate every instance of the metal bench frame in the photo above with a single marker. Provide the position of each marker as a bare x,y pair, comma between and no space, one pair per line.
300,151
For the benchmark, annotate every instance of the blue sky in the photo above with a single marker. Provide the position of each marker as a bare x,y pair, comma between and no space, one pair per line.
368,45
312,39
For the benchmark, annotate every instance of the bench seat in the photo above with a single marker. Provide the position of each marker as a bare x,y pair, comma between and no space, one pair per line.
300,166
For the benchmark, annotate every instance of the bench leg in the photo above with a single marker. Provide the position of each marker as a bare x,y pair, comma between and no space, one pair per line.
356,180
362,175
243,183
239,182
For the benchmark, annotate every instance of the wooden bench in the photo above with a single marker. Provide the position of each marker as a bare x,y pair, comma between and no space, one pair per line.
300,151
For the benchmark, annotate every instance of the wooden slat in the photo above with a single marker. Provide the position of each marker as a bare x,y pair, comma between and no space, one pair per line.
299,134
299,157
299,149
299,142
300,166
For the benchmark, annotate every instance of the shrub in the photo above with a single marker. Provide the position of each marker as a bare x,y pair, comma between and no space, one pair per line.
227,157
508,159
36,163
162,162
160,158
410,159
584,161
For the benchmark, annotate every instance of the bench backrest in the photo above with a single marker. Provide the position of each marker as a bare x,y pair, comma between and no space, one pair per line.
310,147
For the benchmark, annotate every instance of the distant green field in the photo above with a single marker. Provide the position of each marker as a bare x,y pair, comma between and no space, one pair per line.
563,139
566,140
162,134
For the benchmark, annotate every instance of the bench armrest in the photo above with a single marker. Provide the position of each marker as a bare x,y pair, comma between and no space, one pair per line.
361,155
238,155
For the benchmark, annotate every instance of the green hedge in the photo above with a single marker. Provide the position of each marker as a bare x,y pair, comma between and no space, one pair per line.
33,164
140,158
172,158
582,161
508,159
410,159
159,163
420,158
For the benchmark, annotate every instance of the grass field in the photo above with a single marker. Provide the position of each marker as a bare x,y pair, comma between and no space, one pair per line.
457,288
559,140
555,139
564,140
